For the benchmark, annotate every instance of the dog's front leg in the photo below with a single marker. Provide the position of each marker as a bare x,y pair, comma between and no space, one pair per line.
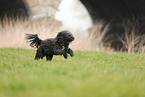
70,52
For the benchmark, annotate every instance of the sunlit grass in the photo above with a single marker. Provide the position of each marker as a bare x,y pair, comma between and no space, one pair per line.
87,74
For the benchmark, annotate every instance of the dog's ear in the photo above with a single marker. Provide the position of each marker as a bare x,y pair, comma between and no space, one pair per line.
60,35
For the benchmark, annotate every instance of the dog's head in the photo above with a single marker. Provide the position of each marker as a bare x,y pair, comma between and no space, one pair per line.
65,37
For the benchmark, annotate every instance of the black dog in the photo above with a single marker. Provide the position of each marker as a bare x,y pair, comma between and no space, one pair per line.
51,46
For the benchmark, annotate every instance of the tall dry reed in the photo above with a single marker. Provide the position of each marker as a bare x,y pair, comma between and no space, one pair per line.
12,34
132,40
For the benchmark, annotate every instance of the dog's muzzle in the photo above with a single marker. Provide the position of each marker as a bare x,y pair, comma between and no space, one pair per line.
71,39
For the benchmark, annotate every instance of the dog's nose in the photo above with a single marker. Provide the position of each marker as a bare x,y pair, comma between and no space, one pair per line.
72,38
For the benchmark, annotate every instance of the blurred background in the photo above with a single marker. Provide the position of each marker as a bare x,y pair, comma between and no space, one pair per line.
102,25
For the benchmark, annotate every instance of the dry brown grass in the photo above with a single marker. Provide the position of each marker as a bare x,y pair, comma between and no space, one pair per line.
132,41
12,34
97,35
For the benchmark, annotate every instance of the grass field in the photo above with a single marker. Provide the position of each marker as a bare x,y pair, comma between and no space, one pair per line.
87,74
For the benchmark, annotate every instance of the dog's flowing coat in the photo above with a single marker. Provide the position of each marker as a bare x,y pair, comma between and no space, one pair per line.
51,46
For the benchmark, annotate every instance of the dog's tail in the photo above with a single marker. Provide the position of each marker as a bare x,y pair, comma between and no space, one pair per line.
34,40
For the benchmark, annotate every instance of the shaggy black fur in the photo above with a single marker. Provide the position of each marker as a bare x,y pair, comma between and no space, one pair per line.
51,46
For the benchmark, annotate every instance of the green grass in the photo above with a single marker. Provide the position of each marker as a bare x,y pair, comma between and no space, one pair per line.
87,74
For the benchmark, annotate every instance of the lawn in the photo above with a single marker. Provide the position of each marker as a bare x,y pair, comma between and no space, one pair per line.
87,74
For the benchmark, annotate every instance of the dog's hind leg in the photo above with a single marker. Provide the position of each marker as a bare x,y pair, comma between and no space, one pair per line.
49,57
39,55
